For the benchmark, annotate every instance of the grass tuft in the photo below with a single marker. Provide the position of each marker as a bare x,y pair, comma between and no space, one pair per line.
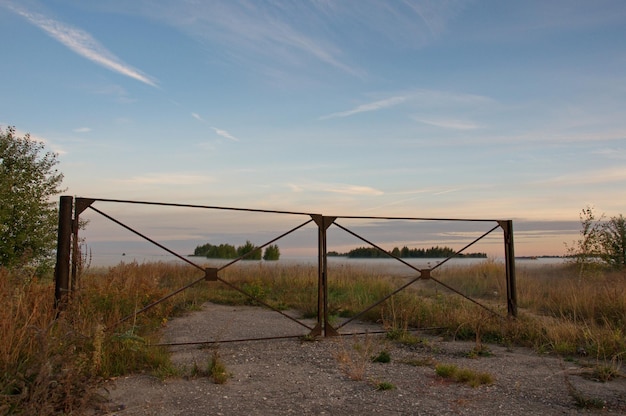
385,385
463,375
217,368
382,357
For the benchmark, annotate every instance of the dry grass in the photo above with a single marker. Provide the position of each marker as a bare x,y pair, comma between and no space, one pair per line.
463,375
354,357
49,363
45,364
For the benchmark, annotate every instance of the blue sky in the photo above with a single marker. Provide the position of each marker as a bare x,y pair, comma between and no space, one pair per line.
453,109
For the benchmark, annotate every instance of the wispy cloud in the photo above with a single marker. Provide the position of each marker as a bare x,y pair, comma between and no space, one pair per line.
345,189
438,98
280,33
218,131
354,190
449,124
225,134
447,191
82,130
169,179
273,37
83,44
117,92
363,108
425,99
611,153
254,31
590,177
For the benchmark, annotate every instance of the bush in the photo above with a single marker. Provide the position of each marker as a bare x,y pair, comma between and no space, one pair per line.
28,219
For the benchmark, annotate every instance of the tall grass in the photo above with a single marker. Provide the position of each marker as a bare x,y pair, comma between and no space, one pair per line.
49,363
44,363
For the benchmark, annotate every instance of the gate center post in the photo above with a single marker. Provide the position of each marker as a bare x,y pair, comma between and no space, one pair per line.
323,326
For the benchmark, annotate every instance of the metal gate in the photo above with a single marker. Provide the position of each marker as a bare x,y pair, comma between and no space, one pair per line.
68,251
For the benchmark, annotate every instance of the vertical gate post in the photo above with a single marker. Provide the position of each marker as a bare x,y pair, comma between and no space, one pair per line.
323,326
511,288
75,258
62,268
321,264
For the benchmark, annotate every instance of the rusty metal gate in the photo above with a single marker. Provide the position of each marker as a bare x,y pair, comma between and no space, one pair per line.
68,251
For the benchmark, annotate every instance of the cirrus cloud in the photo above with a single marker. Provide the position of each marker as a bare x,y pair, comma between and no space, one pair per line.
82,43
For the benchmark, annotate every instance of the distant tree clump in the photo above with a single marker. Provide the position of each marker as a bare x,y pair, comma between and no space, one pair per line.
250,251
28,215
272,253
227,251
405,252
223,251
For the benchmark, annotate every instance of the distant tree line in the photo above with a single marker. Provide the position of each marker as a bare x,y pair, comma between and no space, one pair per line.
228,251
405,252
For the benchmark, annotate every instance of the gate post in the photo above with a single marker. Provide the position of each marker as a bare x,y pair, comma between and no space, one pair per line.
323,326
511,288
62,267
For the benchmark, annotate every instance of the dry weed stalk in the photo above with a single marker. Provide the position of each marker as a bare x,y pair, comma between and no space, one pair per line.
354,358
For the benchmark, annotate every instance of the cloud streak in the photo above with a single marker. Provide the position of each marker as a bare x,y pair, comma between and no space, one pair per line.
590,177
169,179
449,124
83,44
225,134
344,189
363,108
428,99
218,131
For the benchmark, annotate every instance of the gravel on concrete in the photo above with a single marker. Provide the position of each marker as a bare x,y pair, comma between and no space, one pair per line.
335,376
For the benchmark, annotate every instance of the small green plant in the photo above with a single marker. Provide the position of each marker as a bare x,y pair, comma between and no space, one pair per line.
217,368
166,370
604,372
385,385
584,402
196,371
382,357
256,290
479,351
420,362
446,370
580,399
402,336
463,375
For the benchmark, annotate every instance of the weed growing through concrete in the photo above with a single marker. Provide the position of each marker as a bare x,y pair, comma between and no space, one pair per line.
463,375
217,368
382,357
480,350
385,385
353,359
420,362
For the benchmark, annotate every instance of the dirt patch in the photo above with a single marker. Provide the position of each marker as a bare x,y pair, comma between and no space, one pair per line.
292,376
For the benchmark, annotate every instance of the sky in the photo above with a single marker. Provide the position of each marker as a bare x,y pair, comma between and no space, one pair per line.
404,108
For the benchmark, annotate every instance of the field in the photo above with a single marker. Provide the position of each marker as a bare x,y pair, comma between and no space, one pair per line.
52,362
